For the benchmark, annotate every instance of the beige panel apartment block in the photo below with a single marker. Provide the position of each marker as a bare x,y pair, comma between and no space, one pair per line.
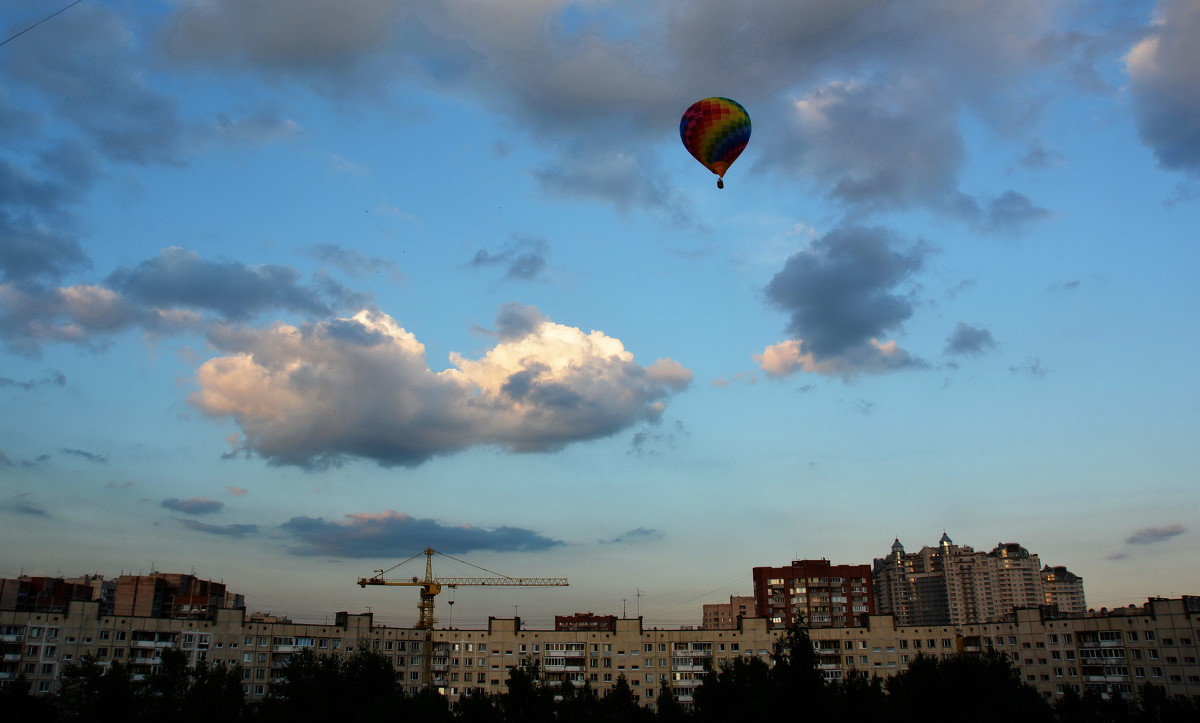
1109,651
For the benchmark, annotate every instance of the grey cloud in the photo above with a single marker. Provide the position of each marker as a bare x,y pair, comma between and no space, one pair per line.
961,287
56,379
236,531
542,387
524,259
840,292
100,87
282,36
255,129
6,461
612,75
36,241
1032,367
180,278
969,340
1008,213
875,146
393,534
352,261
21,505
1065,286
640,534
89,456
620,177
193,506
1152,535
647,441
163,295
1163,68
517,320
1038,157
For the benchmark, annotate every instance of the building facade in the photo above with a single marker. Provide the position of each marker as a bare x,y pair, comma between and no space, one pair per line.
951,584
1110,652
823,594
724,616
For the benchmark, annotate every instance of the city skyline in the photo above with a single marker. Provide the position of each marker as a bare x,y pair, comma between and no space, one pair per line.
291,291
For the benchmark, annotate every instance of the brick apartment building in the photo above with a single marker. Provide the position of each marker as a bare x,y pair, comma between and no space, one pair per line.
826,595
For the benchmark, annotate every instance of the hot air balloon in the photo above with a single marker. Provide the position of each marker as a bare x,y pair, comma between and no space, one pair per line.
715,131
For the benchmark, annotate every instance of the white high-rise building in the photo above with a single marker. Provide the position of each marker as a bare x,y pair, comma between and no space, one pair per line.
953,584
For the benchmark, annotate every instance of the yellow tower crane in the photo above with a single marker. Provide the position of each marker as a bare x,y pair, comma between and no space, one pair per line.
431,586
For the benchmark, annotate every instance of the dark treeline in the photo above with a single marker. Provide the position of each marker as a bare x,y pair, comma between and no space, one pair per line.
362,687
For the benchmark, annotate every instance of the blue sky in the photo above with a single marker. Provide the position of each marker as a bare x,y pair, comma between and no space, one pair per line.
290,290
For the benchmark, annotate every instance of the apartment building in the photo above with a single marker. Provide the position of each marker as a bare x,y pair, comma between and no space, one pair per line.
951,584
724,616
1109,651
823,594
38,644
1064,589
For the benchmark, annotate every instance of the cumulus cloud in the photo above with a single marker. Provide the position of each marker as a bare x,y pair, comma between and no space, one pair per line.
876,146
193,506
1163,68
238,531
180,278
176,291
523,259
969,340
395,534
841,295
640,534
361,387
1152,535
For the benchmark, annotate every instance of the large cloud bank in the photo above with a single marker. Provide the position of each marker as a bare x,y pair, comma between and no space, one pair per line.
361,387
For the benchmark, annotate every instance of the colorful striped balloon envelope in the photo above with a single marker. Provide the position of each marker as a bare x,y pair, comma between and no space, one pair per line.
715,131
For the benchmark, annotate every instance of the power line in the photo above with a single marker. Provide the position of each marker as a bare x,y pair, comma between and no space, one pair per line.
31,27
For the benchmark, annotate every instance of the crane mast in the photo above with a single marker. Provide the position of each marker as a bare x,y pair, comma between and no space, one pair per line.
431,586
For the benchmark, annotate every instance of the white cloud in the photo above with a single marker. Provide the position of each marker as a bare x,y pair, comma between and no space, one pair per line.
361,387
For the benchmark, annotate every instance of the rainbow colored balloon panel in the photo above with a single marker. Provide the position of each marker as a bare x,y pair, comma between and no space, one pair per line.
715,131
